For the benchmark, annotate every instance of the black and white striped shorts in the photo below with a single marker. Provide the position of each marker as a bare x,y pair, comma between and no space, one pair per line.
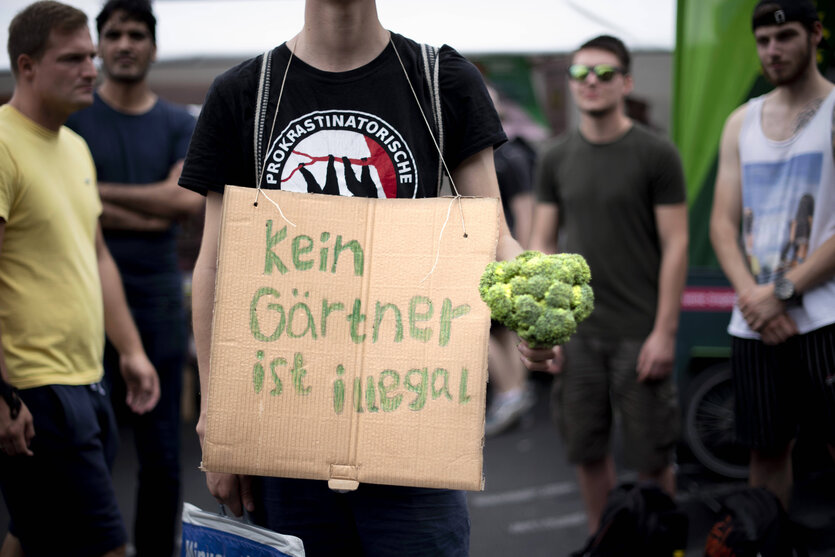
780,388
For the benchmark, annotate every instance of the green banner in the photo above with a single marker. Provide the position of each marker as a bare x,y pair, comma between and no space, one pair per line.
715,66
511,75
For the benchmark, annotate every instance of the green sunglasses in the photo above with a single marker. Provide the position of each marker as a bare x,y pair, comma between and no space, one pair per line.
604,72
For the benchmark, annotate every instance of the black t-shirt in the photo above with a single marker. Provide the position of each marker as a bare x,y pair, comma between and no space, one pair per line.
358,132
514,161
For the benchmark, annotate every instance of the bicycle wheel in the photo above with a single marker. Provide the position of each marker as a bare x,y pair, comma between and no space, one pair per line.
709,423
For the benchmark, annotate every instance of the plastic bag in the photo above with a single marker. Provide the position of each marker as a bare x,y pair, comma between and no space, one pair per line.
208,534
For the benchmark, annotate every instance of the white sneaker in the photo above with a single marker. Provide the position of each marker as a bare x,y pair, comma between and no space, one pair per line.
507,409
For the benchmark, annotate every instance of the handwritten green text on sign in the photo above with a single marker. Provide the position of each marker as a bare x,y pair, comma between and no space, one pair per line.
306,317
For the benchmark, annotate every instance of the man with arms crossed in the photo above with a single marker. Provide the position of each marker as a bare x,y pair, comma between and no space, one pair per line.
615,193
138,142
59,293
776,155
343,63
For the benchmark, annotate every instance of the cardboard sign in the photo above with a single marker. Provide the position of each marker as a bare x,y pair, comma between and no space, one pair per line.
332,358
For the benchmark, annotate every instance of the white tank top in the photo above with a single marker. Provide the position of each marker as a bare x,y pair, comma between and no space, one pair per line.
788,200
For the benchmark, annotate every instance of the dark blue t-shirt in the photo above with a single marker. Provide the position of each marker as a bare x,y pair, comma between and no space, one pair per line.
139,149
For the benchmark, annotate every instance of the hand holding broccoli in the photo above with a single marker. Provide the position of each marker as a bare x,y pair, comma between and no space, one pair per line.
541,297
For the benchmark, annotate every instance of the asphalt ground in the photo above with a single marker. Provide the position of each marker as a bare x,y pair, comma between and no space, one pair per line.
531,505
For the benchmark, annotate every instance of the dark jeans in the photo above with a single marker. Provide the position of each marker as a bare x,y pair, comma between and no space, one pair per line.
157,433
61,500
373,521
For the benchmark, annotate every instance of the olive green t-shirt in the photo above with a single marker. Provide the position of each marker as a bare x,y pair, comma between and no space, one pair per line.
606,195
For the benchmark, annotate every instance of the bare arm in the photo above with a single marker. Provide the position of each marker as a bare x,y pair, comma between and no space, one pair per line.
819,267
522,206
202,298
658,352
116,217
232,490
15,435
476,176
165,199
727,208
760,306
545,230
139,374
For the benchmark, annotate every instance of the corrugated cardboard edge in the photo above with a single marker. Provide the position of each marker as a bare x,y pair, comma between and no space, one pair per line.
346,475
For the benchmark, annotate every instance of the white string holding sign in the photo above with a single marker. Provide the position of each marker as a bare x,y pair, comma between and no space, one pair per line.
441,237
280,212
260,176
260,171
457,196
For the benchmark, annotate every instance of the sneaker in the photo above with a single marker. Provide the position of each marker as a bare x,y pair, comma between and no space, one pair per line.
506,411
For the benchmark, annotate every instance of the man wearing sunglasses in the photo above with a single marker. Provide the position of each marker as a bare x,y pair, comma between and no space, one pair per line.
613,191
777,175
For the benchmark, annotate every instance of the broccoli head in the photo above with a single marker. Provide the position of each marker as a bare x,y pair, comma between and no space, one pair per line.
541,297
500,302
582,301
553,327
559,295
526,309
572,268
525,256
536,286
488,279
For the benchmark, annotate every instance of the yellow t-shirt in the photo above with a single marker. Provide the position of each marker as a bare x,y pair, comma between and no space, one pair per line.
51,309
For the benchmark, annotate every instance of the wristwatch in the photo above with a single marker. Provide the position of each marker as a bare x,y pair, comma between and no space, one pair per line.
11,397
784,289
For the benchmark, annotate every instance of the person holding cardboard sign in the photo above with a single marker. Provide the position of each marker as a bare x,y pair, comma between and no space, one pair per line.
348,113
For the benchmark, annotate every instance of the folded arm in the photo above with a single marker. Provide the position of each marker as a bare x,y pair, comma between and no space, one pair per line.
162,201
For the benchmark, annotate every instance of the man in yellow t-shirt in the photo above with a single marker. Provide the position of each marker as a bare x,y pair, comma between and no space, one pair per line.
60,292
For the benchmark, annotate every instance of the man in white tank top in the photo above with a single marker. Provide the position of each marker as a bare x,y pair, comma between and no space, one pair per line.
776,175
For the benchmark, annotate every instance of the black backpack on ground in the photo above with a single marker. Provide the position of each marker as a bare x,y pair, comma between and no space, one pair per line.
639,519
753,523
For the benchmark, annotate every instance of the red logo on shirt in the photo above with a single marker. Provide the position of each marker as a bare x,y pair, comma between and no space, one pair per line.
342,152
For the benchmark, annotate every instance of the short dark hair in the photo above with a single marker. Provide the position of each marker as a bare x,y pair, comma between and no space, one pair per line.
613,45
30,29
136,10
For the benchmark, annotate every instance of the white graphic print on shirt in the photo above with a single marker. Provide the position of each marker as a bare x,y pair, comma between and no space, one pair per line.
341,152
777,221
